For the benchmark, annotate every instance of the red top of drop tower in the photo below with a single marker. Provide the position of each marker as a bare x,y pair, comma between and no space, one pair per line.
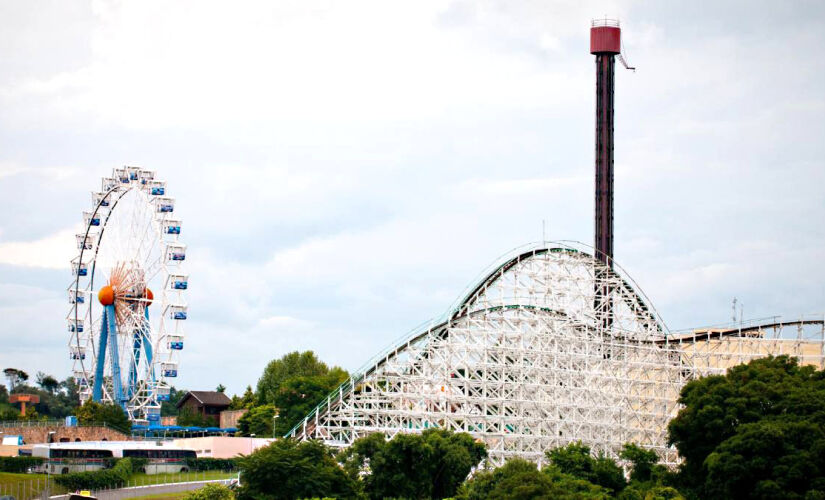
605,37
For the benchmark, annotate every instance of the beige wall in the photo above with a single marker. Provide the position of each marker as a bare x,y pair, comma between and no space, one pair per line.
222,447
7,450
229,418
37,434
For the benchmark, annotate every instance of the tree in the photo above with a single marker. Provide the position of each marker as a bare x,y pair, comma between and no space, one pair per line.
15,377
294,364
257,421
287,470
575,460
47,382
211,492
428,465
297,397
246,401
92,413
754,431
643,461
170,408
520,479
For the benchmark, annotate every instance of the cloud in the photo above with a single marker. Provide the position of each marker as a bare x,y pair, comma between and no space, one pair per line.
344,170
54,251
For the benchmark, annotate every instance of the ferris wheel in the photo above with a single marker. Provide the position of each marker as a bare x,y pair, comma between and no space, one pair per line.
127,295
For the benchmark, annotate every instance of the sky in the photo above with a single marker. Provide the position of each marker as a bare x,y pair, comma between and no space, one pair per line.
344,170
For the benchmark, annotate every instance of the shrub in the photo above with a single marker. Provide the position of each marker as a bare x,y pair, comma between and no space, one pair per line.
202,464
19,464
97,480
211,491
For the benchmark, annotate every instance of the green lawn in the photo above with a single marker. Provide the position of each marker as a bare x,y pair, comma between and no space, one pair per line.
140,479
25,486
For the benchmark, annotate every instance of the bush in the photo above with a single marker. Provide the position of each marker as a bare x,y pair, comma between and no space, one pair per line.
19,464
97,480
202,464
211,492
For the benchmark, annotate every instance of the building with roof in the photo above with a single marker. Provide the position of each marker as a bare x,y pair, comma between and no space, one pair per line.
205,404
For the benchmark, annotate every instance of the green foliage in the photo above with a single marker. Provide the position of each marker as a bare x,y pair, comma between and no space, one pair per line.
298,396
57,402
170,408
96,480
47,382
211,492
19,464
278,371
576,461
756,432
8,413
189,418
520,479
643,461
92,413
257,421
287,470
247,401
204,464
428,465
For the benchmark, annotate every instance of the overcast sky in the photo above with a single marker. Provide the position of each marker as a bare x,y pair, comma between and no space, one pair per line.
344,169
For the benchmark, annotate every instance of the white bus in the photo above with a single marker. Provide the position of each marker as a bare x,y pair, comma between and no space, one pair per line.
63,458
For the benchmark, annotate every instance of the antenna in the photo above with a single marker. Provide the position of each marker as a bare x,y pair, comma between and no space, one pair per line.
543,234
734,309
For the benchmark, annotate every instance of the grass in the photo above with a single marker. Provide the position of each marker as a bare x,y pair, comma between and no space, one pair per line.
25,486
140,479
164,496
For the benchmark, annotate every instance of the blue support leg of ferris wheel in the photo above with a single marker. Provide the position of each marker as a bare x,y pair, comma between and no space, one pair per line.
97,389
137,340
113,352
147,346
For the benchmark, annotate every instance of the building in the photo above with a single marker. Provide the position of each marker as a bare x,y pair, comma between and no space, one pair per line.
222,446
229,418
208,404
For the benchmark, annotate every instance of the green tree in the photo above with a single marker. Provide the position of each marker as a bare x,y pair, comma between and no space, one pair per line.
575,460
92,413
740,434
170,408
297,397
520,479
257,421
47,382
246,401
643,461
288,470
278,371
428,465
767,457
211,492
